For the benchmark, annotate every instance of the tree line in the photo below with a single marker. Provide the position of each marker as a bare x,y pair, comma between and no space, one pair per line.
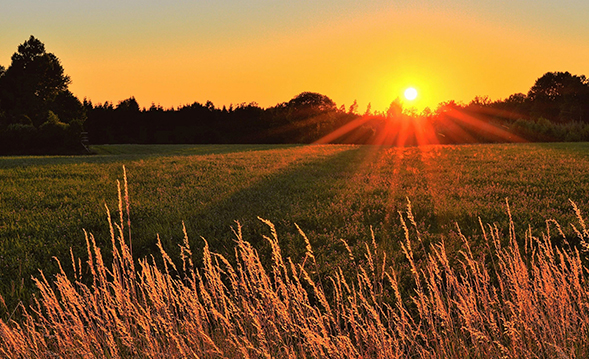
303,119
39,114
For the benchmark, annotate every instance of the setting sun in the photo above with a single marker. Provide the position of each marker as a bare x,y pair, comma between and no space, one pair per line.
411,94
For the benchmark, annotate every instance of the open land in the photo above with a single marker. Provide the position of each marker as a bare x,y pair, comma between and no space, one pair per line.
396,260
332,192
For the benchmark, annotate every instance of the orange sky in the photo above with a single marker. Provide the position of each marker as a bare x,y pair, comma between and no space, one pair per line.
231,51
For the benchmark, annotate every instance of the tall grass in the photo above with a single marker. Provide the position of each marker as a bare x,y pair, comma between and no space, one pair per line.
332,192
509,300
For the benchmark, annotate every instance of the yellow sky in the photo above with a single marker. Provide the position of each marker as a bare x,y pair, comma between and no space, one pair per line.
172,56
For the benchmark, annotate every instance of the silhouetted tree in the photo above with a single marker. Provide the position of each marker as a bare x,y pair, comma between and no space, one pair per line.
353,108
69,107
34,91
516,99
311,101
480,101
129,105
33,81
368,110
560,96
395,109
515,107
308,104
127,120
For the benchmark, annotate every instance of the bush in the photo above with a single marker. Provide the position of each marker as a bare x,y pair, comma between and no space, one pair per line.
59,137
52,133
19,137
546,131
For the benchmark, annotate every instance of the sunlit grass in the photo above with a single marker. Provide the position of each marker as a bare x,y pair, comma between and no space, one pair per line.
332,192
506,300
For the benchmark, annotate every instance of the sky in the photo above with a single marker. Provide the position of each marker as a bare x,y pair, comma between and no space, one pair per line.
174,53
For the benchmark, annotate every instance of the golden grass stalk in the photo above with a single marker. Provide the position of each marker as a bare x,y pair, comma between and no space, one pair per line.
511,301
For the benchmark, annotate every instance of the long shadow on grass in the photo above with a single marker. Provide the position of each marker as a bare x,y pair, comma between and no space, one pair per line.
304,193
34,228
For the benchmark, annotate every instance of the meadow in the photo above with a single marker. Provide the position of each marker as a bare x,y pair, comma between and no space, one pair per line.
331,192
361,194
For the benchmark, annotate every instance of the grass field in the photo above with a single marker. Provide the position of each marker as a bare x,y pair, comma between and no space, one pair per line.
331,192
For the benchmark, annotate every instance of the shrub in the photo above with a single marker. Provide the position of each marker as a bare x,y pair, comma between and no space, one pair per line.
19,137
52,133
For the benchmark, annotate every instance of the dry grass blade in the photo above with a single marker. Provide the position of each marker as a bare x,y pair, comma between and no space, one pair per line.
506,305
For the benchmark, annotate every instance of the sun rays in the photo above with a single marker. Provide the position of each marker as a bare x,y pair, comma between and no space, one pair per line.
449,124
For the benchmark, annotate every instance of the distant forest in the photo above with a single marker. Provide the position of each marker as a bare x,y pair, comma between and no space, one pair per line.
39,115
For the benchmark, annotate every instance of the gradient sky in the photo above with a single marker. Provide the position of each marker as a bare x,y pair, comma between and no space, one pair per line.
173,53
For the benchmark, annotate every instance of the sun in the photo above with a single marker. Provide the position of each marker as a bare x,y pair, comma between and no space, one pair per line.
410,94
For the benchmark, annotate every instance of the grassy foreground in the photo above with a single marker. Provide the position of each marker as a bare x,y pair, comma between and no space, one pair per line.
331,192
508,301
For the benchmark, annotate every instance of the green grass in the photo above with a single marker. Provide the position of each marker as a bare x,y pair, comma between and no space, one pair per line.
331,192
505,301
